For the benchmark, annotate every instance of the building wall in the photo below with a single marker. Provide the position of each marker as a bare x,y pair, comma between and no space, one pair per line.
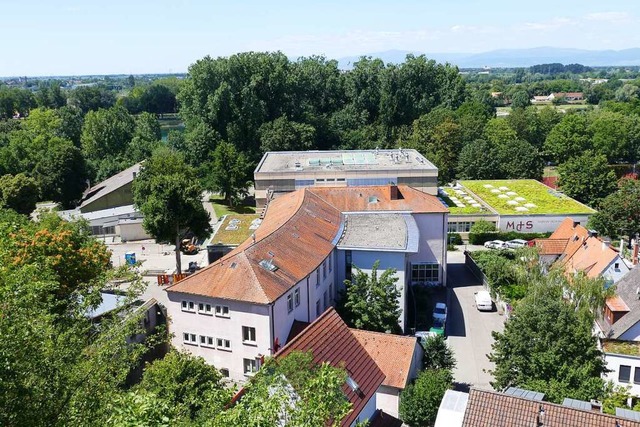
132,231
388,400
120,197
367,412
614,274
614,362
433,242
536,223
240,314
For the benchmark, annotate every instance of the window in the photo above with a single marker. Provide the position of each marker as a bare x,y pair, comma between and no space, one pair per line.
188,306
248,334
290,303
616,266
423,273
318,277
324,270
223,344
188,338
318,308
326,299
222,311
204,308
224,372
250,366
296,296
636,376
624,374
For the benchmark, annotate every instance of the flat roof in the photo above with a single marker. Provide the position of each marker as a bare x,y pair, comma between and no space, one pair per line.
381,231
345,160
524,197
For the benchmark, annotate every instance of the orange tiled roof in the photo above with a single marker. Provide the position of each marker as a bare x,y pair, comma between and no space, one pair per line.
551,246
330,340
592,257
392,353
574,235
356,199
492,409
298,230
615,303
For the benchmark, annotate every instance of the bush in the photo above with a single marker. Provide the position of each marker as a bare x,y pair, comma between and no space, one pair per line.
482,231
454,239
419,402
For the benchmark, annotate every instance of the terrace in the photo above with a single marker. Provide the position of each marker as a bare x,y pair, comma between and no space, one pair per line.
524,197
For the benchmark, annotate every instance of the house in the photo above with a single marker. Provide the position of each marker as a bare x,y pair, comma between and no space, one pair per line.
567,96
330,340
399,358
539,99
283,171
244,305
113,192
621,319
574,248
521,408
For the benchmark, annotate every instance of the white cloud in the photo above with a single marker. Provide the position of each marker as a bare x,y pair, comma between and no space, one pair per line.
552,24
612,17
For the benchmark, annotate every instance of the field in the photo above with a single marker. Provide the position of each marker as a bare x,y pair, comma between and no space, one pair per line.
235,229
505,111
221,209
524,197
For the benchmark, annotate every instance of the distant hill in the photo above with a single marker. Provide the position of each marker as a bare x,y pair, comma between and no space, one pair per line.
514,57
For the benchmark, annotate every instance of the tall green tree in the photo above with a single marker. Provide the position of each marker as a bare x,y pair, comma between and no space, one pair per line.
520,99
419,402
169,195
106,133
547,346
587,178
569,138
479,160
227,173
18,192
285,135
619,212
438,354
371,301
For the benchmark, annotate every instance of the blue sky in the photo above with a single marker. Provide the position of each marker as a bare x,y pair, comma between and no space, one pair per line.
142,36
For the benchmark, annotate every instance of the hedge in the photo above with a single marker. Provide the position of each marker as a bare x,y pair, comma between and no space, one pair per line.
481,238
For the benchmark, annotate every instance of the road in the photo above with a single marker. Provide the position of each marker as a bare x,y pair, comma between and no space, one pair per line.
469,330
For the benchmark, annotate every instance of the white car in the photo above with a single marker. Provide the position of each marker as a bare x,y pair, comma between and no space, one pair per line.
517,243
483,301
440,312
495,244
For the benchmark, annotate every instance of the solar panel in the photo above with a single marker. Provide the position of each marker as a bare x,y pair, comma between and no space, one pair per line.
525,394
576,404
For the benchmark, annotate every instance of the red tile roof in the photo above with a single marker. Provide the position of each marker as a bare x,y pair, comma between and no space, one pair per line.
551,246
297,232
396,364
330,340
593,257
492,409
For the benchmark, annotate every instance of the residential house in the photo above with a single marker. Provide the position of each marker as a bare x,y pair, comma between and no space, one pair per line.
574,248
399,358
244,305
493,409
330,340
567,96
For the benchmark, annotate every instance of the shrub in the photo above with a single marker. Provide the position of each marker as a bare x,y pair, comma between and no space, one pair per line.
454,239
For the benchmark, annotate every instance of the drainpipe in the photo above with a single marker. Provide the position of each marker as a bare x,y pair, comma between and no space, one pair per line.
308,306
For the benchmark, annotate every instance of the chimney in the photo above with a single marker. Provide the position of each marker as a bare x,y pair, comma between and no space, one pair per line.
393,192
593,233
134,175
576,223
596,406
634,258
605,244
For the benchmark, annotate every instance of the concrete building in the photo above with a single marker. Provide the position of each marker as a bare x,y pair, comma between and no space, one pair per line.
285,171
244,305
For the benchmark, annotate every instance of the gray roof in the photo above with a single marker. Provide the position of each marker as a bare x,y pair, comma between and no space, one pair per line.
109,185
395,232
627,290
290,161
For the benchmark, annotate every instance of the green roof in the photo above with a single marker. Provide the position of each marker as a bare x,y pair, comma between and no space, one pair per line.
235,229
524,197
459,205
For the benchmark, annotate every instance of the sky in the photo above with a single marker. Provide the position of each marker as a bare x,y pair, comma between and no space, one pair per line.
79,37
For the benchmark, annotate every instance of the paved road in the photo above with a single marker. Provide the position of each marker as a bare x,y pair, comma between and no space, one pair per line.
469,330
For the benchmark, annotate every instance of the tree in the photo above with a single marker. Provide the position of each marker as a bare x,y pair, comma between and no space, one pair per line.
18,192
419,402
587,178
106,133
519,160
227,173
62,174
479,160
168,194
371,302
146,137
91,98
619,213
547,346
498,132
438,354
612,136
520,99
569,138
285,135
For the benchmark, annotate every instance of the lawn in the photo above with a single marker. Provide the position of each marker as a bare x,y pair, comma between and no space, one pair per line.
237,233
446,193
524,197
504,111
622,347
221,208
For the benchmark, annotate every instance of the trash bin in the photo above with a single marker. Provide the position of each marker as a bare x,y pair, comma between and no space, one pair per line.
130,258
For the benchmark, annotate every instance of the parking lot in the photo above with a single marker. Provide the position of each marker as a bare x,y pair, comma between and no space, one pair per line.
469,330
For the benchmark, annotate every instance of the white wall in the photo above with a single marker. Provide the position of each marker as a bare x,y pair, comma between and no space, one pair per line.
367,412
433,241
536,223
364,261
240,314
388,400
131,231
614,361
613,273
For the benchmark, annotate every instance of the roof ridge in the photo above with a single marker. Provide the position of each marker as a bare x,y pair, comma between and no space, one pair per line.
326,313
383,334
255,276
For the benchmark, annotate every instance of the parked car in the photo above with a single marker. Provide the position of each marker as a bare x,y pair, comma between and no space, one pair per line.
440,312
438,327
517,243
423,336
495,244
483,301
